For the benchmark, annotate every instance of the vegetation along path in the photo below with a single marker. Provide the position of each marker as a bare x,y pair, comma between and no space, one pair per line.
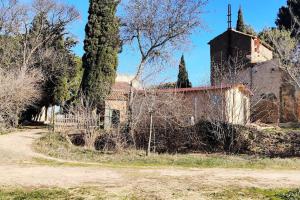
20,166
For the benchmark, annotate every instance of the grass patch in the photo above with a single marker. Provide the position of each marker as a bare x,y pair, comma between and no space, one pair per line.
56,146
12,130
52,193
34,194
6,131
281,130
256,193
97,193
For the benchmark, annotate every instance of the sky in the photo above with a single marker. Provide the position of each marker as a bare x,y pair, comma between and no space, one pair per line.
258,13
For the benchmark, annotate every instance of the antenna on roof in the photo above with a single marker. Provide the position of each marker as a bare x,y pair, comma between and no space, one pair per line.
229,17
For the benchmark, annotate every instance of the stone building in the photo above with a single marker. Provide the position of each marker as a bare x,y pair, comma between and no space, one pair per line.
237,57
234,49
116,104
226,103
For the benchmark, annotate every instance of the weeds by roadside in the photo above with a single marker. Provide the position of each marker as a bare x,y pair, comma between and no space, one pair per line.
56,146
256,193
96,193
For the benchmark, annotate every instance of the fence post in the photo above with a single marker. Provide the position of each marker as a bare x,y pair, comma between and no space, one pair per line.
53,119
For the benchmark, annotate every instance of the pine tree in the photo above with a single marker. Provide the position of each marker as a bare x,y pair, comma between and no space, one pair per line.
101,47
285,19
183,77
240,26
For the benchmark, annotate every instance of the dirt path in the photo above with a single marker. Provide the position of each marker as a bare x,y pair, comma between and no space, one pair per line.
16,170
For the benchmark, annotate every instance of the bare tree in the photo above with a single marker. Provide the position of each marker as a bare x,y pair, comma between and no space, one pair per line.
20,50
16,20
57,16
158,28
286,51
286,44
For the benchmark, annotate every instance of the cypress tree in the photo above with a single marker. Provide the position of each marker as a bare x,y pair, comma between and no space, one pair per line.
101,45
240,26
183,77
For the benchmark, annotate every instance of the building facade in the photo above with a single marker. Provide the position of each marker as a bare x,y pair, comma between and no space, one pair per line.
226,103
237,57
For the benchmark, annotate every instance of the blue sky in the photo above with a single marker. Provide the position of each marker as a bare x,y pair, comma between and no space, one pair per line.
258,13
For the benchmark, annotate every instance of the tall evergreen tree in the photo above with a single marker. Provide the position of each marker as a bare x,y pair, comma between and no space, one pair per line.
183,77
240,25
58,69
101,45
284,17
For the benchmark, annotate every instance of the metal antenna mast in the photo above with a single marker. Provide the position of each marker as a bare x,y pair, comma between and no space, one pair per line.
229,17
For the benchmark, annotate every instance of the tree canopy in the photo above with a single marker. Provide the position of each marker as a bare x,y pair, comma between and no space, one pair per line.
101,45
183,77
240,25
36,56
288,14
59,67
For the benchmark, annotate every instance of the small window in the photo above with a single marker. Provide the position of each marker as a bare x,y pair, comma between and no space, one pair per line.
216,99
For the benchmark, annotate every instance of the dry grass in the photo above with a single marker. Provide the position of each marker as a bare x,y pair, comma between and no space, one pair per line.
256,193
139,193
56,146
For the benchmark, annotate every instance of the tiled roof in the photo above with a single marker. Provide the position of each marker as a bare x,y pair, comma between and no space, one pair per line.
119,91
121,86
208,88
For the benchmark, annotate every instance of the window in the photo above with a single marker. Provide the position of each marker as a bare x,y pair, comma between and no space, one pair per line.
115,118
216,99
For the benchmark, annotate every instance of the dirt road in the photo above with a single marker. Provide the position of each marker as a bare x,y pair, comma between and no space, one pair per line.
18,169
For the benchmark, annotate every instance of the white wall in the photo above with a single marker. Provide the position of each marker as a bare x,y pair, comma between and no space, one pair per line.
237,106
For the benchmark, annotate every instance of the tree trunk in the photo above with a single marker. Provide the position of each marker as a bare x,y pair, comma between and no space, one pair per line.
130,101
150,135
53,118
130,114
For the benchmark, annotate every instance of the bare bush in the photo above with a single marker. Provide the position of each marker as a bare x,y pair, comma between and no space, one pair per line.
86,121
158,109
111,141
81,125
18,90
167,121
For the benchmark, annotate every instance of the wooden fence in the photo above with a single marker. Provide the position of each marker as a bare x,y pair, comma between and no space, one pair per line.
68,122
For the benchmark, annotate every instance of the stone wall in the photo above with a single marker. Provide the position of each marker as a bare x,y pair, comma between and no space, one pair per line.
290,103
227,105
120,105
228,44
259,52
264,79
